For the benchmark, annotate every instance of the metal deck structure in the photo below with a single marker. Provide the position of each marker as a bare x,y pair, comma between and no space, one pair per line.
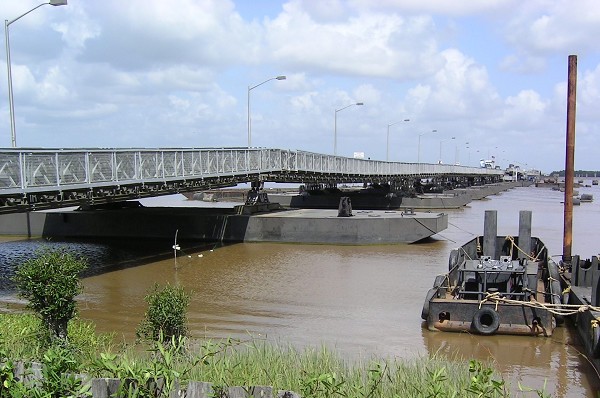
36,179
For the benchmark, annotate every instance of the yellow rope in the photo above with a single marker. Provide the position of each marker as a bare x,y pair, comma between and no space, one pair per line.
557,309
512,241
490,296
465,252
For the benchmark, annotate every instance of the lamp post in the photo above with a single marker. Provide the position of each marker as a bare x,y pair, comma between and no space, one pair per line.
387,147
440,158
335,125
250,88
456,154
469,153
419,146
11,105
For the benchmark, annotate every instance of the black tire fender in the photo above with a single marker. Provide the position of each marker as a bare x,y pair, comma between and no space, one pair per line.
486,321
425,311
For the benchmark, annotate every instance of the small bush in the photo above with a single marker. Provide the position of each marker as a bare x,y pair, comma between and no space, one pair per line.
166,315
50,282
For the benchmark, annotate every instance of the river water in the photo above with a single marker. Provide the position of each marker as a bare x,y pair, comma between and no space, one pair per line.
362,301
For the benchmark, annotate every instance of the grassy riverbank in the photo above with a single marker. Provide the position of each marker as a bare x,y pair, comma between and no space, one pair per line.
316,372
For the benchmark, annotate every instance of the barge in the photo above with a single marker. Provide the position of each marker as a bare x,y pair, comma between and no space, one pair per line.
497,285
584,304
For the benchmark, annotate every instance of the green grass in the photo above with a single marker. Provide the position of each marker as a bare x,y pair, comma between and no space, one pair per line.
311,372
23,336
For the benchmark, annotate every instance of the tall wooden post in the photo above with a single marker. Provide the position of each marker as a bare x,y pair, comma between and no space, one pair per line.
570,159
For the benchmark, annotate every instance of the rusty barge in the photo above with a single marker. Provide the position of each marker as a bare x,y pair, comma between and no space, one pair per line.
497,285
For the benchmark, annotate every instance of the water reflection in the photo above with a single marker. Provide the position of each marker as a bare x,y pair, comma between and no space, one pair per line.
101,255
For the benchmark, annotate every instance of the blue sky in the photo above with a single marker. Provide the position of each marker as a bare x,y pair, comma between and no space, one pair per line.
155,73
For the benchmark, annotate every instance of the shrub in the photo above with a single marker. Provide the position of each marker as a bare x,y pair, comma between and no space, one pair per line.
50,282
166,315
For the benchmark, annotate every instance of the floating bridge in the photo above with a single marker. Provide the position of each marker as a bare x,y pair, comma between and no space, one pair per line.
36,179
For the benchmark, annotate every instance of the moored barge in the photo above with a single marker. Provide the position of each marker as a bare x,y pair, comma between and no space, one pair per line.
497,285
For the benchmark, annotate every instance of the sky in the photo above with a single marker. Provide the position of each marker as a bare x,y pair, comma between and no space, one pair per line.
476,79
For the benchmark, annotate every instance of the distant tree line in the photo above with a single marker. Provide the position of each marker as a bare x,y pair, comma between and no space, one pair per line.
578,173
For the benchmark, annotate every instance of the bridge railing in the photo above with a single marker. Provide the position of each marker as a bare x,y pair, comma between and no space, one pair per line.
39,169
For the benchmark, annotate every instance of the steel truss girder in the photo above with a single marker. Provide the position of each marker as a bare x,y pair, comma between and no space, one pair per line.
46,178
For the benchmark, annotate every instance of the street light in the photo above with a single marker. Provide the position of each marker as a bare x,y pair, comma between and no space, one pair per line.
387,151
249,119
419,146
11,105
469,153
335,125
440,159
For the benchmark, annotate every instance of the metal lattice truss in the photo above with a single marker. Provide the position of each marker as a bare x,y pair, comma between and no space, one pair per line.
34,179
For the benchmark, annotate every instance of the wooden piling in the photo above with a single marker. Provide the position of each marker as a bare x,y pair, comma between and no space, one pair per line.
570,159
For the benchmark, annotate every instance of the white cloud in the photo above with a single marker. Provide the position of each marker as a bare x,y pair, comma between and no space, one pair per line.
368,94
384,45
543,27
444,7
146,33
526,109
78,28
305,102
526,64
460,89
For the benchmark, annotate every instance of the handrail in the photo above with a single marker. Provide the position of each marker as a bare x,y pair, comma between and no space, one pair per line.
25,169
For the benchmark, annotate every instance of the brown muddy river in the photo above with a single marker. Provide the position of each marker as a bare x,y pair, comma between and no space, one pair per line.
362,301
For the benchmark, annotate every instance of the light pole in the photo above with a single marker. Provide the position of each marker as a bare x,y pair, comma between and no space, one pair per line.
249,119
11,105
419,146
335,125
440,158
387,147
456,154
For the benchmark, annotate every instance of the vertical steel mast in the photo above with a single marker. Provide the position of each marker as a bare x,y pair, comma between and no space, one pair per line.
570,159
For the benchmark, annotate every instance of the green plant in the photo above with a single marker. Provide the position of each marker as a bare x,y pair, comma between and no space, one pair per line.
10,386
50,282
58,376
437,387
482,383
156,377
376,373
166,315
324,384
541,393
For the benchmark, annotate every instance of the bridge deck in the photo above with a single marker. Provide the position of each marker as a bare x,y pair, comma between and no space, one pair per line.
33,179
